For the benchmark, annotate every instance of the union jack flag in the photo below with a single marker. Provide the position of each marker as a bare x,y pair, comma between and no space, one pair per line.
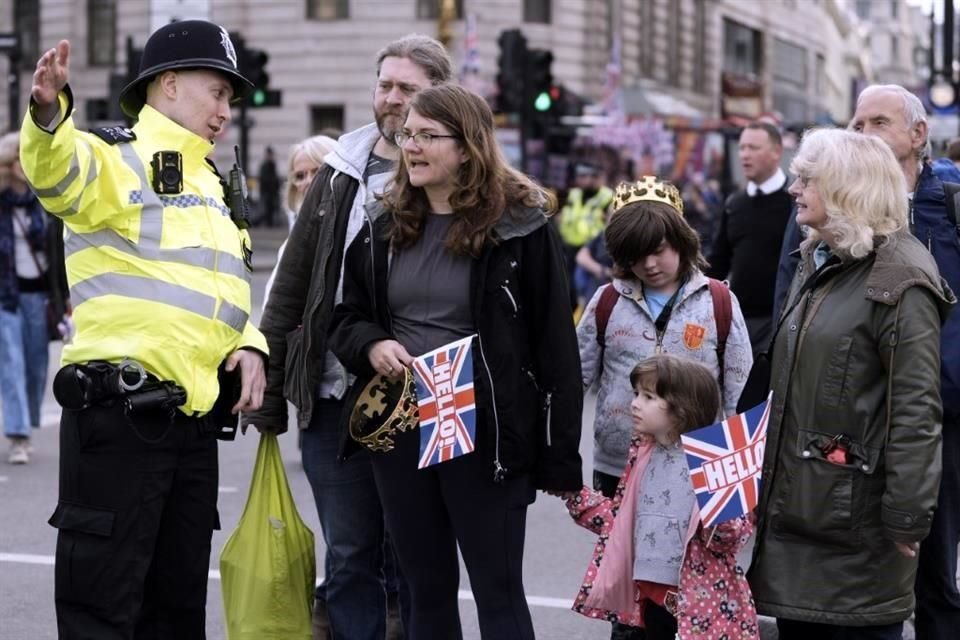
725,461
445,397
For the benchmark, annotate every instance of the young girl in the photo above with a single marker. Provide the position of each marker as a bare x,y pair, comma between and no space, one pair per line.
664,304
655,566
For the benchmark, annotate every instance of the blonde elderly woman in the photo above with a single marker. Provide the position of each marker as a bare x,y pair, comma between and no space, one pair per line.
852,462
306,158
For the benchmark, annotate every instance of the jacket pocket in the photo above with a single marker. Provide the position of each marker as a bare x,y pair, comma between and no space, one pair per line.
818,501
295,375
833,388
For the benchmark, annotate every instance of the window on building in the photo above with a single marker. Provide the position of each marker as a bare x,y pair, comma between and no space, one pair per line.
789,63
536,11
326,119
328,9
648,15
863,9
894,49
430,9
101,32
674,46
26,20
894,8
742,49
700,46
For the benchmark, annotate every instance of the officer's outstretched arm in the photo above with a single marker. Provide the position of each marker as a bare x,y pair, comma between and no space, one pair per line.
51,76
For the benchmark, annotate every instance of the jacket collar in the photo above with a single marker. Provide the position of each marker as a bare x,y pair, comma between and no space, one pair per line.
158,131
633,288
353,150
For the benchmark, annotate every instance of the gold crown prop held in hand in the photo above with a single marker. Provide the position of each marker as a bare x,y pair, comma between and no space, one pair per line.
650,189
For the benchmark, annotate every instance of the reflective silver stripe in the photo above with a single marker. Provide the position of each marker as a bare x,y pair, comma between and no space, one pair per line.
185,200
143,288
203,257
151,217
174,295
232,316
59,188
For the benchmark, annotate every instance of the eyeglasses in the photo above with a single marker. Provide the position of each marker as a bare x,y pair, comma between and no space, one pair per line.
422,139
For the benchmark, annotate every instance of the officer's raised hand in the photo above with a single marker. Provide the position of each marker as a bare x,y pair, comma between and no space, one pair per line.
51,76
253,379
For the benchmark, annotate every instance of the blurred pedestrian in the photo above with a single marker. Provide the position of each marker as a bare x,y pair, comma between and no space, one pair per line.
24,295
948,168
155,320
471,252
664,554
305,372
269,183
594,269
852,461
746,249
306,159
583,215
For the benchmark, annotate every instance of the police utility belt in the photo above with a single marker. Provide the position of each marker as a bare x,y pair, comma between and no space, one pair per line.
77,387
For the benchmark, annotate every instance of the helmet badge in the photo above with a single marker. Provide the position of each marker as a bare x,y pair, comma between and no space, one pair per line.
228,47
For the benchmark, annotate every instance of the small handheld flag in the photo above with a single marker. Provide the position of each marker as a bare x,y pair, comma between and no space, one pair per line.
725,461
446,400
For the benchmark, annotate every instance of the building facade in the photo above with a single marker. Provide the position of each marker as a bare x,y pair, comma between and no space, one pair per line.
702,59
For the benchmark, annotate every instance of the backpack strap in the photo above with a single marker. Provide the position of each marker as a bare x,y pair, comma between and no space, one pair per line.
952,191
723,316
608,300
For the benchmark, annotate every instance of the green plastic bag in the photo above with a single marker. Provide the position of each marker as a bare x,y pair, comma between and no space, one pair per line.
267,566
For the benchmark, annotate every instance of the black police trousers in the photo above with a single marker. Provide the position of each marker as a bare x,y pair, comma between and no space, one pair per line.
136,513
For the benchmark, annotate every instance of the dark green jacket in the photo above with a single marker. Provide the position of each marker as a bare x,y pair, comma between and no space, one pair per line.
864,340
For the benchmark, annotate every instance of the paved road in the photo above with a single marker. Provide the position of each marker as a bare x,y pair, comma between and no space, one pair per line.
557,550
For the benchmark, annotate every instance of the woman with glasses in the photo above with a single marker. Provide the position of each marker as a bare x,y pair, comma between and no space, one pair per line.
306,158
852,463
461,245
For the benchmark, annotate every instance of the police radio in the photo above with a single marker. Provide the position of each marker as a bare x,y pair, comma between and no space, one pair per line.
167,172
237,194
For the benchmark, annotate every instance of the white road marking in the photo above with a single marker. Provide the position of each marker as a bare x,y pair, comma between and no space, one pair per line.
228,489
534,601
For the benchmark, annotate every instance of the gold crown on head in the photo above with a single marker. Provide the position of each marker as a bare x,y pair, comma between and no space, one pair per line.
650,189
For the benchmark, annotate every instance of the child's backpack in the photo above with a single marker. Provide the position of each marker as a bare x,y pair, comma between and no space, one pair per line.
722,314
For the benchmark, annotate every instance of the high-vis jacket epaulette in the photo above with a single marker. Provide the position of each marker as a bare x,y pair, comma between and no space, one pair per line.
161,279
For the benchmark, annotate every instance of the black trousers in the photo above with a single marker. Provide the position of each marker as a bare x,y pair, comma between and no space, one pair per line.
794,630
430,512
938,601
137,509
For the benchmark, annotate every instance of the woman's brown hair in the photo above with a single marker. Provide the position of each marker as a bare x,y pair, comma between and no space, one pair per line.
689,388
487,186
637,229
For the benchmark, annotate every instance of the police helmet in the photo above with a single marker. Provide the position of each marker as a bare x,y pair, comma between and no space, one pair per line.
188,44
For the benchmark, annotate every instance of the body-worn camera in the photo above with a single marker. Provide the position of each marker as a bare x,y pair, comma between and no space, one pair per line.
167,172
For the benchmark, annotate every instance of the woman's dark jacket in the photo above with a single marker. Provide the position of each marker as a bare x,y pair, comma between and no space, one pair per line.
856,357
526,362
35,235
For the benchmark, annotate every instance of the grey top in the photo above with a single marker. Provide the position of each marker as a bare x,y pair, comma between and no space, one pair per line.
664,506
429,291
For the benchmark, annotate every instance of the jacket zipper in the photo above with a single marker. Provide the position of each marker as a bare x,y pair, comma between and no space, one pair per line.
549,401
513,300
929,241
499,471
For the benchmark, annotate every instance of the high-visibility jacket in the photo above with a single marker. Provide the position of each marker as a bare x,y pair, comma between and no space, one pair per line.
582,220
161,279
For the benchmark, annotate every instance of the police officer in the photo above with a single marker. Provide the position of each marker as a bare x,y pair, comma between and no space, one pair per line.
159,276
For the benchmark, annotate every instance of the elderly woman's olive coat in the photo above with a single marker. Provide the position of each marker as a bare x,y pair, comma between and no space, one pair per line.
864,340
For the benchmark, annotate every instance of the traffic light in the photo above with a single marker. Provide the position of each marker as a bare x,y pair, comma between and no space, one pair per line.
540,79
510,78
252,63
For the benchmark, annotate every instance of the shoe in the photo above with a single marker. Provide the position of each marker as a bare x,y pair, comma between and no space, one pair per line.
18,453
395,630
321,621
